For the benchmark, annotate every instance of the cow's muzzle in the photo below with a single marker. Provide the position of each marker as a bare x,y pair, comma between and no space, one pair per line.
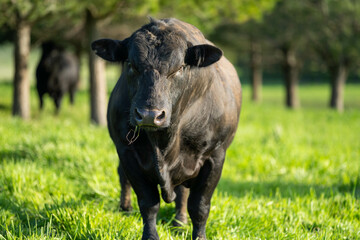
150,118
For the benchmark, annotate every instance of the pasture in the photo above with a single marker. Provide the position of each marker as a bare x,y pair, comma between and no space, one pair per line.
288,174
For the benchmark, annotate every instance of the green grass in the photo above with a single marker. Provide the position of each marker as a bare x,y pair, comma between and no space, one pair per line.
287,175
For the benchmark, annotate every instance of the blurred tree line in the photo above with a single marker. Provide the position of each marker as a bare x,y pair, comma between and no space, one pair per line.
297,36
267,33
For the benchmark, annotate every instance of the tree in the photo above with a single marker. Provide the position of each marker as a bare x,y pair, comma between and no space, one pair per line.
245,41
97,72
254,29
286,28
250,15
252,12
336,39
21,16
256,70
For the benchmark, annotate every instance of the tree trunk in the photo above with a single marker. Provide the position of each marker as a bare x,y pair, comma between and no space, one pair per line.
98,95
338,75
256,71
21,94
78,54
291,77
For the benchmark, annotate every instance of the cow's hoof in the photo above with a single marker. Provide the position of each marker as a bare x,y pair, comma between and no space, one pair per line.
179,221
126,208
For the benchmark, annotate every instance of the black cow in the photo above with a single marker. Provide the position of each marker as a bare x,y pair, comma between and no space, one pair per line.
172,115
56,74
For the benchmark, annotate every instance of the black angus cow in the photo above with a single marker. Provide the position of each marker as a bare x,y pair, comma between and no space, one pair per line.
172,115
56,74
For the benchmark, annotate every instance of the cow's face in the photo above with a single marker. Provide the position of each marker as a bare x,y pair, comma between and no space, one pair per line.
157,61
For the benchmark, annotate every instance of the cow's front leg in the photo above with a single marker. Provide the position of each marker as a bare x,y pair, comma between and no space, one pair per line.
182,195
148,198
145,188
149,204
57,96
201,192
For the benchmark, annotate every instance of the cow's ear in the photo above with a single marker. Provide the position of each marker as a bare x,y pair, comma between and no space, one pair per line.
202,55
110,50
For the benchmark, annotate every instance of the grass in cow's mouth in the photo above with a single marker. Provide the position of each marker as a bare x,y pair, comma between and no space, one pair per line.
287,175
132,135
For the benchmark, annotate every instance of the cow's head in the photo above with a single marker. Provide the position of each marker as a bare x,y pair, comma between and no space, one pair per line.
157,62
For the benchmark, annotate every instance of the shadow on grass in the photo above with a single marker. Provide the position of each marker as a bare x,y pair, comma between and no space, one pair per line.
166,217
4,107
166,213
286,189
17,155
20,151
29,217
60,218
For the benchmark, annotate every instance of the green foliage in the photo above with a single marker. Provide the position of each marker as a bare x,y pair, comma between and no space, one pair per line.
118,10
336,31
207,14
101,9
287,24
30,10
240,11
287,175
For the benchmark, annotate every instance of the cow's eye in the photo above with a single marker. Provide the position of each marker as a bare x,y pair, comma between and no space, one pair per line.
177,72
131,68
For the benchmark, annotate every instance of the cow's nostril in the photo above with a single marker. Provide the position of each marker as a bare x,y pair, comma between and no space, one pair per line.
161,116
149,118
138,115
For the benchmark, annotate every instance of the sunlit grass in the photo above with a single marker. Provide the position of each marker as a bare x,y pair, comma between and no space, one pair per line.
288,174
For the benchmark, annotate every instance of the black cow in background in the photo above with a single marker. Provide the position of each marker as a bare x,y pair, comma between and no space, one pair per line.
57,73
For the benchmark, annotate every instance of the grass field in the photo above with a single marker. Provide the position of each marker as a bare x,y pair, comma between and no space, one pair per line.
287,175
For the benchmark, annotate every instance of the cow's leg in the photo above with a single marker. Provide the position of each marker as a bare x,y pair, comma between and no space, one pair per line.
125,200
41,103
71,97
149,207
200,195
149,203
72,91
146,191
57,101
182,195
